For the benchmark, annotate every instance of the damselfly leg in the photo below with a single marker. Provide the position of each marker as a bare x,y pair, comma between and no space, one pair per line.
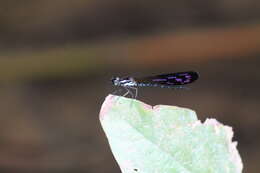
136,91
117,91
129,92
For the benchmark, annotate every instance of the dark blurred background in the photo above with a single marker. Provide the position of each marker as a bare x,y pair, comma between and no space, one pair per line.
57,58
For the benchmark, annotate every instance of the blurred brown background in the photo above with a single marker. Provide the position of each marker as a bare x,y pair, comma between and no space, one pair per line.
57,58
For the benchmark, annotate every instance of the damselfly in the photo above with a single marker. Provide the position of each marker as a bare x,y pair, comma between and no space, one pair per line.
171,80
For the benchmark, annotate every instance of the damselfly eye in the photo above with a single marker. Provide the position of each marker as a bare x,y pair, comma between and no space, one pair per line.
115,80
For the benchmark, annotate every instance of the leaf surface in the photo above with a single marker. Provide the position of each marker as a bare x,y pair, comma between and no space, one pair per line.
166,139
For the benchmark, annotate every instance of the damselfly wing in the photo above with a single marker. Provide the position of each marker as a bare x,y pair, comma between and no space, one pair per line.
168,80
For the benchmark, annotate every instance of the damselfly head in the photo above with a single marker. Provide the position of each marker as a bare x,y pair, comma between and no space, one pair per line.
115,81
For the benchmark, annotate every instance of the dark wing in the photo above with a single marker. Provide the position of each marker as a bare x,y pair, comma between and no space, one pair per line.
171,79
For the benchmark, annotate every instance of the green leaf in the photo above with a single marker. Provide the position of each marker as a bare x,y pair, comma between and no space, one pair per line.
166,139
